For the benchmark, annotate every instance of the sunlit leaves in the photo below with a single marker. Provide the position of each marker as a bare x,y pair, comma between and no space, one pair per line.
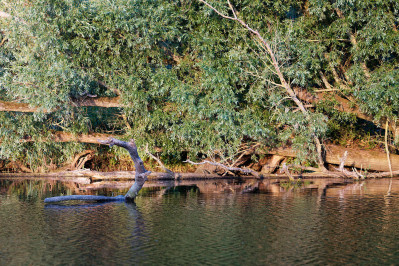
189,80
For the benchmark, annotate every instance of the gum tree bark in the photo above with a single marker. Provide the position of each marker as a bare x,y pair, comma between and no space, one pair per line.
140,177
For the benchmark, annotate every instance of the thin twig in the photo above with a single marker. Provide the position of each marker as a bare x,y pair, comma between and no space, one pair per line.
214,9
159,162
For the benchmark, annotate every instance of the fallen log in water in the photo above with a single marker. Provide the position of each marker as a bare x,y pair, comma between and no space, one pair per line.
139,180
83,197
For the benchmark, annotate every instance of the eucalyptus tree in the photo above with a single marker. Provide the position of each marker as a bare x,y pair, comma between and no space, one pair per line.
177,90
350,49
177,76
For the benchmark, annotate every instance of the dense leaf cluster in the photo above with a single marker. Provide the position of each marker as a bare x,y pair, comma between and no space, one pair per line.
189,80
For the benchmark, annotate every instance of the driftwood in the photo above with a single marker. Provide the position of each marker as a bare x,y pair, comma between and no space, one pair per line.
245,171
139,180
372,160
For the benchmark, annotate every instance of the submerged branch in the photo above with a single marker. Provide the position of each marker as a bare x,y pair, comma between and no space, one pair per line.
139,180
84,197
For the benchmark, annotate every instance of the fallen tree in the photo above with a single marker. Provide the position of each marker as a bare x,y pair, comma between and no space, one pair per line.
140,176
373,160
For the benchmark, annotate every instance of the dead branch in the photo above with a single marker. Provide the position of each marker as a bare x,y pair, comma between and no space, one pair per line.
284,169
279,73
83,160
140,176
353,41
84,197
107,102
342,164
242,170
114,90
354,174
171,173
248,151
386,146
325,81
383,174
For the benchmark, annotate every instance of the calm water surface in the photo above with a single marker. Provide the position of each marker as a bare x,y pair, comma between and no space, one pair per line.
203,222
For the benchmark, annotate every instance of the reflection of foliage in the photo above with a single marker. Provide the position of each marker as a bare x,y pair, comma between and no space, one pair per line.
174,190
185,190
27,189
37,190
291,185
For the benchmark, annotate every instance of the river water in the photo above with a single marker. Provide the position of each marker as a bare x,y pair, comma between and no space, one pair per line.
202,222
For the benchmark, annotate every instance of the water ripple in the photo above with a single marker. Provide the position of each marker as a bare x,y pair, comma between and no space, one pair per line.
352,224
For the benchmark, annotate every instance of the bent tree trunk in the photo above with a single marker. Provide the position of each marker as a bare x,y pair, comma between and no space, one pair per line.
140,177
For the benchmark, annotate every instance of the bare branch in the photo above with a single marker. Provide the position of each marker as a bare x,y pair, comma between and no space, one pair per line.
232,9
83,197
139,180
343,159
280,75
386,146
326,90
114,90
78,162
245,171
325,81
284,169
171,173
217,11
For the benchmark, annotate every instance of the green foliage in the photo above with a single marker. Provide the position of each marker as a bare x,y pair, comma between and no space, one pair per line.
189,80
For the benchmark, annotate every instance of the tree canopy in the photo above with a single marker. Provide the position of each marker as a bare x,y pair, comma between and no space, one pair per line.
178,76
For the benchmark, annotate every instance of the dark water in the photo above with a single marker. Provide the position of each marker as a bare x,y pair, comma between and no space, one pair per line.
203,223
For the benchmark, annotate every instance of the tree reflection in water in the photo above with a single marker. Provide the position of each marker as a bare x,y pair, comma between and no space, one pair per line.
203,222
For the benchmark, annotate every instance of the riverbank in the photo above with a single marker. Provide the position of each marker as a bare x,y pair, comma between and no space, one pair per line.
87,176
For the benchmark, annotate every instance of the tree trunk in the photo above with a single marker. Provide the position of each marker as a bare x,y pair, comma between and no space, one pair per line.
106,102
366,159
